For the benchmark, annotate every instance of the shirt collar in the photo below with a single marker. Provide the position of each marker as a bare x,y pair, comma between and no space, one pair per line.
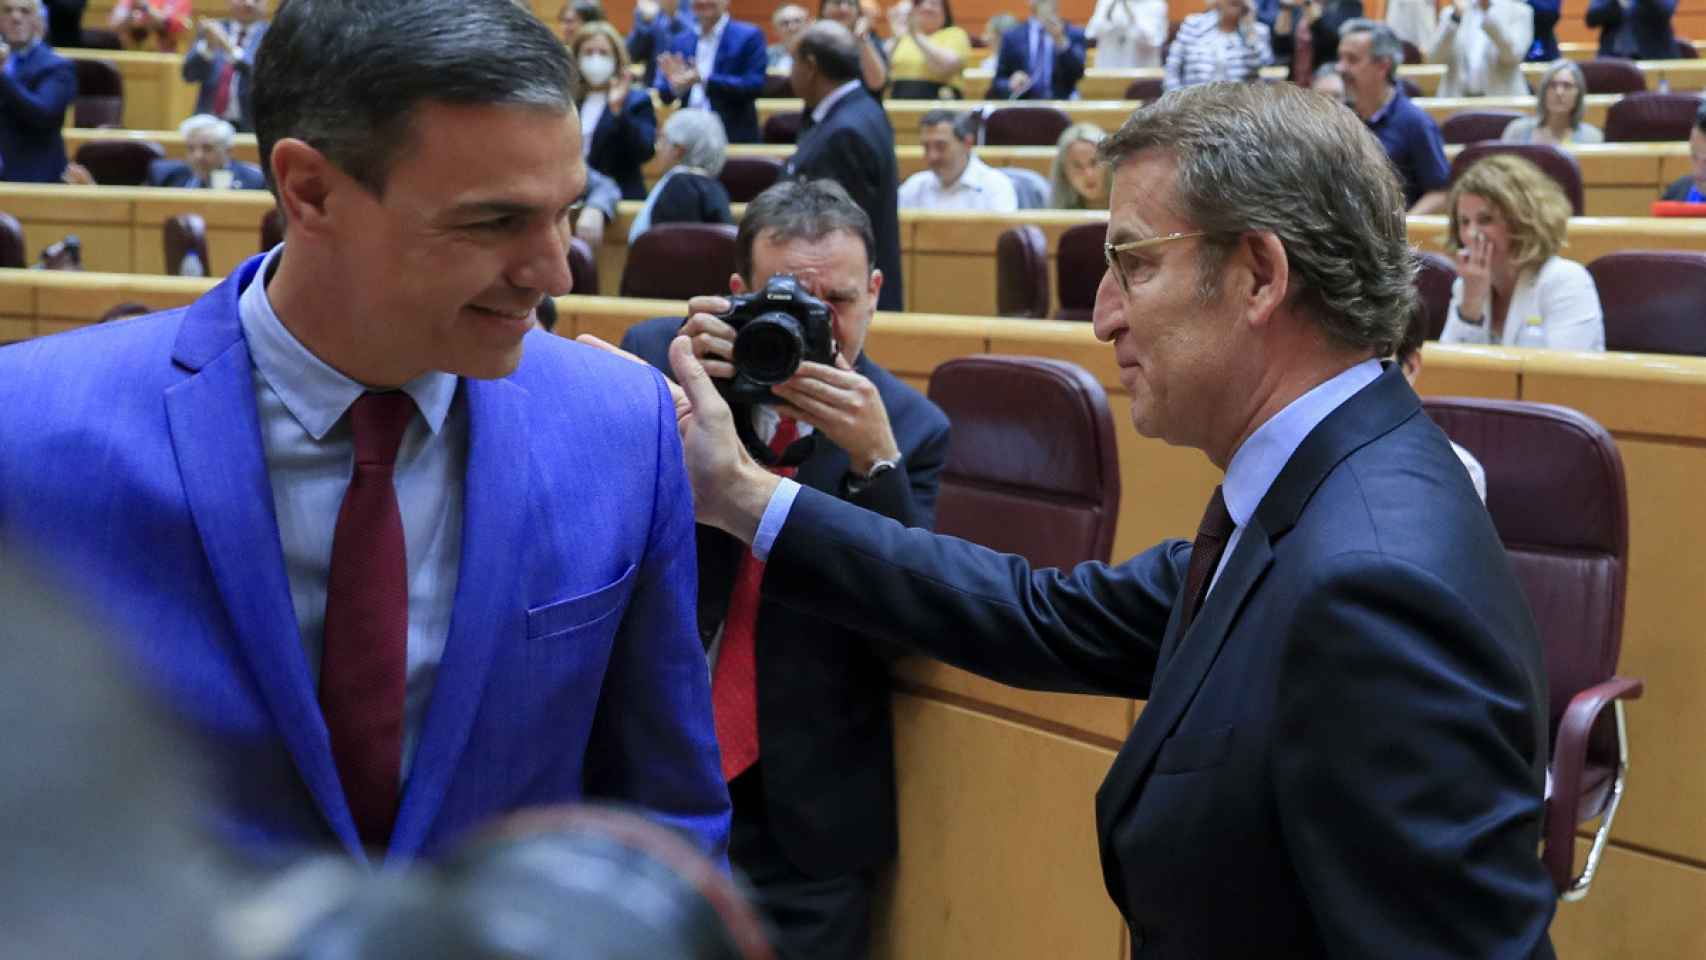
1259,460
971,177
835,96
716,30
1391,104
314,393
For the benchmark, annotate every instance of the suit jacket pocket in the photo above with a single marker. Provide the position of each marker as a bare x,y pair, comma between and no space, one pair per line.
1182,753
563,616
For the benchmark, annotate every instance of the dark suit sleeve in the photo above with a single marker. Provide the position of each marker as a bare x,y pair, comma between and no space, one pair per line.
1678,189
742,75
908,493
1007,61
714,204
1069,64
43,107
1389,678
198,66
1091,629
1656,13
636,132
1604,13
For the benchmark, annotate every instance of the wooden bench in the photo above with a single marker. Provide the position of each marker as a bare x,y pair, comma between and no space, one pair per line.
120,227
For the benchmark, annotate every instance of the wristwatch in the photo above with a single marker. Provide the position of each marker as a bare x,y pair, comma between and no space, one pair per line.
857,484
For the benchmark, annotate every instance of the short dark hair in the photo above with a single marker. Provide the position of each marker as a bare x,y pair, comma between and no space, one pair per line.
587,11
964,124
832,49
1699,116
345,76
801,210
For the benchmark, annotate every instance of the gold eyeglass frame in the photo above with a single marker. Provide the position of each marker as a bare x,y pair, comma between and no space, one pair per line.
1109,251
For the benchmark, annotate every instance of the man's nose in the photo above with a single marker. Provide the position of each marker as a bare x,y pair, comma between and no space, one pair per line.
546,267
1107,318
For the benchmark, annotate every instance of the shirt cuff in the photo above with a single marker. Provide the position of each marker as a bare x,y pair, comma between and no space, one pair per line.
775,515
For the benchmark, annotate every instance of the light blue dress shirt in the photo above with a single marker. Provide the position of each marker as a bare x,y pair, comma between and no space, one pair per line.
310,455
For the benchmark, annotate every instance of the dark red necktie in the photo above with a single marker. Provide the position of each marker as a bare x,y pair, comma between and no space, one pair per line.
365,655
1216,528
734,679
222,92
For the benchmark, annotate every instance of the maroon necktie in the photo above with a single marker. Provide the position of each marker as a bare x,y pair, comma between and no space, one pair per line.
367,621
228,73
1216,528
734,679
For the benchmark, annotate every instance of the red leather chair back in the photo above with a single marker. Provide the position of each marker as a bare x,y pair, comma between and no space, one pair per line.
1024,126
1412,53
1654,300
783,127
1144,88
272,229
1433,284
1021,273
1612,75
100,95
1078,267
583,266
677,261
1032,467
1686,51
94,38
1473,126
13,251
185,234
778,86
119,163
1557,164
747,177
1651,118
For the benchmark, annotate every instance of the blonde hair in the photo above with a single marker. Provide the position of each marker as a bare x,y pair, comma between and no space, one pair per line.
600,28
1532,204
1062,194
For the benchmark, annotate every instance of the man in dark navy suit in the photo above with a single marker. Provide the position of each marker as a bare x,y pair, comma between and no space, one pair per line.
36,87
814,813
846,137
1345,739
720,68
1636,29
1040,59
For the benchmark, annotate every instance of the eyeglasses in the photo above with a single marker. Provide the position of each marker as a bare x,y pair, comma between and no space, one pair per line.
1112,251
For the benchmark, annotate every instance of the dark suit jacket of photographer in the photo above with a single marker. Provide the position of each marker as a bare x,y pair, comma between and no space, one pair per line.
823,690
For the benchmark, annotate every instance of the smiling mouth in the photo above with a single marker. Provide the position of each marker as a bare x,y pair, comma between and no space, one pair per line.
501,314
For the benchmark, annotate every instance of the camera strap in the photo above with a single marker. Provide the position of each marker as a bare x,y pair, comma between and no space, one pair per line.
794,455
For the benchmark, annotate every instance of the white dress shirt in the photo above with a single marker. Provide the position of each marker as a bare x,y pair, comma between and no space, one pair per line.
1561,293
835,96
705,61
310,455
1483,55
592,110
979,187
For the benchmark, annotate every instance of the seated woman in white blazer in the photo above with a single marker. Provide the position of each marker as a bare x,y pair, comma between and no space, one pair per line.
1507,223
1482,44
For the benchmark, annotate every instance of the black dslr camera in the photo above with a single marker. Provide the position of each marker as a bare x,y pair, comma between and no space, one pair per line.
776,329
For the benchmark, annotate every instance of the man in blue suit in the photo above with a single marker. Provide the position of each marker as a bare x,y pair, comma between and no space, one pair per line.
720,68
401,562
1040,59
1344,746
36,87
222,61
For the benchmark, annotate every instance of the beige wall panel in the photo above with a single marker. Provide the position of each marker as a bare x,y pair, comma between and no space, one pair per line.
1453,370
1107,717
1640,906
915,344
1625,392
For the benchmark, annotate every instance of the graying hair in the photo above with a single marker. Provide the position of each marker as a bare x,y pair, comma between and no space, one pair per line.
1384,44
801,209
1275,158
699,134
223,132
1557,67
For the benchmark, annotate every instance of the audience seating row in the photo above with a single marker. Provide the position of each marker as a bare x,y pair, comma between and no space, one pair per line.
155,94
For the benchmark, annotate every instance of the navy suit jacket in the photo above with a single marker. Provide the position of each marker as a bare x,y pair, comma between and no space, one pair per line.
34,95
736,80
572,668
827,743
854,146
623,142
205,68
1016,55
1654,36
177,173
1343,755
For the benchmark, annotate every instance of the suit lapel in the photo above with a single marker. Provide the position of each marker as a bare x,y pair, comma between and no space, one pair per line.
216,437
494,512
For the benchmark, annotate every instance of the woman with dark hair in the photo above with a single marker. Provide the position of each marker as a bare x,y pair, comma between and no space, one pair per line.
927,54
618,124
873,59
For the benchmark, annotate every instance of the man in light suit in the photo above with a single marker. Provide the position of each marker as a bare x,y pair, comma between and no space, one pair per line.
1040,59
720,67
223,62
207,144
1483,44
401,563
846,137
36,87
1344,744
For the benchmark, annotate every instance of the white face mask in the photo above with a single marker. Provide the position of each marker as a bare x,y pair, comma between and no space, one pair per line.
597,67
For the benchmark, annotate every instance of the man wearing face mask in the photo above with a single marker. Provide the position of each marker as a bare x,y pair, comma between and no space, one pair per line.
618,124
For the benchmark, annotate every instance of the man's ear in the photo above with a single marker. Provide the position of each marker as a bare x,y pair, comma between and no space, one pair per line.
1270,275
876,284
737,286
304,178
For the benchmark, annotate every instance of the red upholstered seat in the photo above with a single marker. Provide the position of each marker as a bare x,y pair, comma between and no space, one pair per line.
184,235
1024,126
1144,88
1556,494
1021,273
1078,267
119,163
1558,164
1433,284
1032,467
783,127
13,252
100,95
677,261
747,177
583,266
1613,75
1651,118
1473,126
1654,300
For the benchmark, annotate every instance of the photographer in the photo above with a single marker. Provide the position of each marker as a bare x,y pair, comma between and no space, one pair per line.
802,706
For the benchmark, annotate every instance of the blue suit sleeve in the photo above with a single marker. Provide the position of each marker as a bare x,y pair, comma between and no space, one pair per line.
1069,64
1604,13
1432,170
43,107
743,76
1007,61
1655,12
653,742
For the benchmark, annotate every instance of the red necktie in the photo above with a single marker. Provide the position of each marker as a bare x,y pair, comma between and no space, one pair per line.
365,655
1216,528
222,93
734,680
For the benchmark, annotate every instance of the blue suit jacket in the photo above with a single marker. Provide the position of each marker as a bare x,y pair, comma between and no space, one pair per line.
735,81
34,94
623,142
178,173
203,67
1343,755
1016,55
573,667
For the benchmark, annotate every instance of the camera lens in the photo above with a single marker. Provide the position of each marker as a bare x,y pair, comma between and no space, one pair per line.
768,349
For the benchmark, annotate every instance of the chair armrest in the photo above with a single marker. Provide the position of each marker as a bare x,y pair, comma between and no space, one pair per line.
1569,755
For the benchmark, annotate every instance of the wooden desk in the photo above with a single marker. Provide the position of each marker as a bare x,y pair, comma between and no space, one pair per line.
243,146
155,94
121,227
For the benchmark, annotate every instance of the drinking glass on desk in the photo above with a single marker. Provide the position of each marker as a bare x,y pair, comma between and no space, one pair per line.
220,179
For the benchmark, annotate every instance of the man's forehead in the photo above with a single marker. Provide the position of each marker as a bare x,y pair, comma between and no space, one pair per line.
1141,198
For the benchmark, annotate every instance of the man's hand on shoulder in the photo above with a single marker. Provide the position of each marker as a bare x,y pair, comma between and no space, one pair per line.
730,489
844,406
